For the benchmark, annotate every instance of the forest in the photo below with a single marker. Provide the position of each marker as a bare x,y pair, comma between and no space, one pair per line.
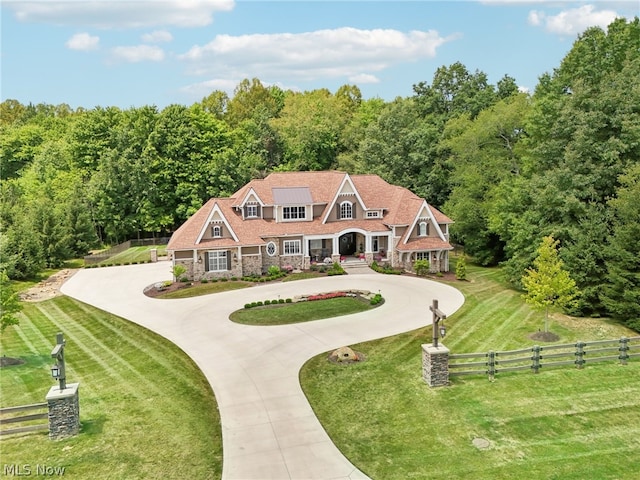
510,168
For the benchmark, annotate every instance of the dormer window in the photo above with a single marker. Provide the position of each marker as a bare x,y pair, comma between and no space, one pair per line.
251,211
216,231
423,229
373,214
294,213
346,210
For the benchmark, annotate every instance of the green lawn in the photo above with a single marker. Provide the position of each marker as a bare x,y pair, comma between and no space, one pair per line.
135,255
146,409
559,424
204,289
283,314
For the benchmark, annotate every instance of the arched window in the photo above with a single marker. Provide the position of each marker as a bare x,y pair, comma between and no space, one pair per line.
216,231
346,210
271,249
423,229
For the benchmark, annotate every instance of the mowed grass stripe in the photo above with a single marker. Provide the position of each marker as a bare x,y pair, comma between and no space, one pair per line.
102,321
163,427
88,358
111,363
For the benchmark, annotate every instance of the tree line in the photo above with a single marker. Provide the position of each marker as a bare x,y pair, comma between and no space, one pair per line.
510,168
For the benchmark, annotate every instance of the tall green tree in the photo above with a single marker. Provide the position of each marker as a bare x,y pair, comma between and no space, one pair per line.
621,293
484,154
547,283
9,303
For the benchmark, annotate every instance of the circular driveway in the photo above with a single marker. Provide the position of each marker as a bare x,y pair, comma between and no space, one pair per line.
269,430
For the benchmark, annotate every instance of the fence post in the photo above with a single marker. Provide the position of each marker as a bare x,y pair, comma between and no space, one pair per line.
491,363
535,359
580,354
624,348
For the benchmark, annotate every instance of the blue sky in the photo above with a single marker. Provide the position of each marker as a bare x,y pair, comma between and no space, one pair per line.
129,53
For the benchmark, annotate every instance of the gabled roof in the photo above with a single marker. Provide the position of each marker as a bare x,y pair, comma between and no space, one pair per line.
400,207
346,186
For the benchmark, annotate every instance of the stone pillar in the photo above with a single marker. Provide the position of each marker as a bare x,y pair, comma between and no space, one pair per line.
64,411
154,255
435,365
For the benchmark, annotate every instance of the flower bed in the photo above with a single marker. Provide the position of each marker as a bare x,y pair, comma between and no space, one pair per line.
326,296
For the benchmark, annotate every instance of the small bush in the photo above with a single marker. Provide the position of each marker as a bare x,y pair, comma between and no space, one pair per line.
421,267
184,279
288,300
204,280
247,305
273,270
259,304
281,300
461,269
224,279
233,279
377,298
267,302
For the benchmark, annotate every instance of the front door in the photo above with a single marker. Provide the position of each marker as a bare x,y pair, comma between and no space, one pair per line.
348,244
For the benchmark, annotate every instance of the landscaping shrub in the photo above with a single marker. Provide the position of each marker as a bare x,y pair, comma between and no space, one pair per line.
377,298
336,269
273,270
259,304
288,300
184,279
421,267
204,280
267,302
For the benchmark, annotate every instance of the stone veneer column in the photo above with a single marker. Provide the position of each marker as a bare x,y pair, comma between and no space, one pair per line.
435,365
64,411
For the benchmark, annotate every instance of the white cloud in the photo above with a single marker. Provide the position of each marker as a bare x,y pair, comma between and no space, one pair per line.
573,21
120,13
138,53
343,52
159,36
83,42
363,78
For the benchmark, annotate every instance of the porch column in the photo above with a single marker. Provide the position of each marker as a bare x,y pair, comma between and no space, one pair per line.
335,246
367,243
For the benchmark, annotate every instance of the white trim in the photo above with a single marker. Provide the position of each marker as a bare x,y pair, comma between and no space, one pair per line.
332,205
246,198
209,220
419,216
292,242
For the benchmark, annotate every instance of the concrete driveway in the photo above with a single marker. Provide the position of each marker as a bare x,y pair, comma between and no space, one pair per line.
269,430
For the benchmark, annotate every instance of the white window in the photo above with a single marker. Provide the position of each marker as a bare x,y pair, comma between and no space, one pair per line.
271,249
422,255
294,213
291,247
217,261
373,214
423,229
346,210
252,211
216,231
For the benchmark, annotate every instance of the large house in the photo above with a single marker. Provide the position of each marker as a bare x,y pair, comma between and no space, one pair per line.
296,219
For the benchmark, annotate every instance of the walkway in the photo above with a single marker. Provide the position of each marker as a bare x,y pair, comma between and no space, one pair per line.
269,430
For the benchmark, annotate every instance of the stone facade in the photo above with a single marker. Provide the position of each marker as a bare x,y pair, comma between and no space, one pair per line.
252,265
64,411
435,365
